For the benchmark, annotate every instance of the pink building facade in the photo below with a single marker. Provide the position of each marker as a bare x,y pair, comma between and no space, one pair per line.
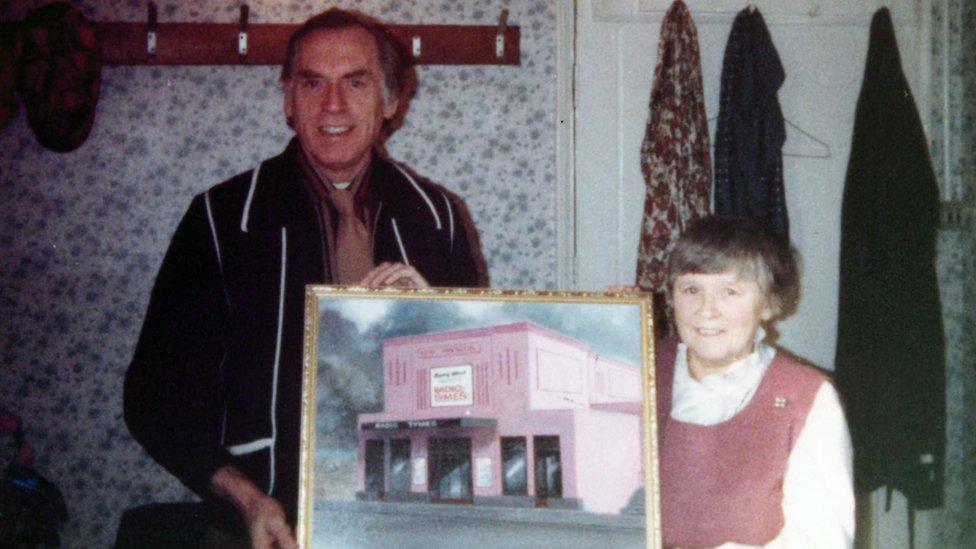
515,415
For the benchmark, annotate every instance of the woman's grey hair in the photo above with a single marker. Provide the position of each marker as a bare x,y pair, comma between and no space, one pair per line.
720,243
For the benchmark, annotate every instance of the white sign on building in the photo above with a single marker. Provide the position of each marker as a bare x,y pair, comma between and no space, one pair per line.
419,473
451,386
482,474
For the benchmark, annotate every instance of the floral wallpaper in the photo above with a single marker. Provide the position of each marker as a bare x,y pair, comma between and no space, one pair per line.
953,136
82,234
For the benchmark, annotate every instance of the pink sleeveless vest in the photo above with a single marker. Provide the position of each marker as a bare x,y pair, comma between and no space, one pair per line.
724,482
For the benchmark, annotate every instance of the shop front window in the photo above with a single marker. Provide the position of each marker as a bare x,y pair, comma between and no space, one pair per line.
548,470
374,466
514,481
400,465
450,469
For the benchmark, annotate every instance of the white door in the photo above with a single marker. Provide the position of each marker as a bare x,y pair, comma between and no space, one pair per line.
823,54
823,47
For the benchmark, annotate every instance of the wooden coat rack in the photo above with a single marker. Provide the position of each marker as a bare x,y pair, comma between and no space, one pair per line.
154,43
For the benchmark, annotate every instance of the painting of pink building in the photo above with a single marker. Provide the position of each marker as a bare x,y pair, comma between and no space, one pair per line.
510,415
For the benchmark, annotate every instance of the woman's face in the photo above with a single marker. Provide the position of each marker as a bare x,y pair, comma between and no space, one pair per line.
717,316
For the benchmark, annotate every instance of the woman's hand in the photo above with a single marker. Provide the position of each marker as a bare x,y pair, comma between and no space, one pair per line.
394,274
621,289
263,515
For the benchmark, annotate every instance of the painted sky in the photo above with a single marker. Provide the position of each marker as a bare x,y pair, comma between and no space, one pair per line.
612,329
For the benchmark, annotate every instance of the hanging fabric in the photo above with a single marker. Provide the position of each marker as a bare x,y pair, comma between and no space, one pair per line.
8,65
59,75
890,364
750,134
674,153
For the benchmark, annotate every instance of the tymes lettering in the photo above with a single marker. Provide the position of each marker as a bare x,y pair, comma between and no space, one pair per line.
450,393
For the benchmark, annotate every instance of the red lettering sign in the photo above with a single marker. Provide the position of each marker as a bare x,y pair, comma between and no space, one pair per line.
449,349
450,393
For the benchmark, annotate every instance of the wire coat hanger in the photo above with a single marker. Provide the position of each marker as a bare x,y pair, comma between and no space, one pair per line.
824,147
824,150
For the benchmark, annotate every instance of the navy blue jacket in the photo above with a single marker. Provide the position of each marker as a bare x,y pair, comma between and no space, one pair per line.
216,376
750,133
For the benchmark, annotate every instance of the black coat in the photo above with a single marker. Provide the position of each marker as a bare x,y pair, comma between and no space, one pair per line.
223,334
750,134
890,364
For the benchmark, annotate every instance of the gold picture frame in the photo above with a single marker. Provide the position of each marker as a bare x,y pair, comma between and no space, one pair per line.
533,410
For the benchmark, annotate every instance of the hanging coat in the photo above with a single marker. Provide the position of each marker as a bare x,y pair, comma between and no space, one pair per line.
674,153
750,133
890,364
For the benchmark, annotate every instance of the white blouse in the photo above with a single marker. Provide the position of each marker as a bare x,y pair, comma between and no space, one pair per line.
818,494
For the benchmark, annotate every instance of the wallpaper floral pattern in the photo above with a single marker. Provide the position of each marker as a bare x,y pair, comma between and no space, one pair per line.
82,234
953,136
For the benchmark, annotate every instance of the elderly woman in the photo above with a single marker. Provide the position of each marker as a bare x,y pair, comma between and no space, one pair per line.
754,448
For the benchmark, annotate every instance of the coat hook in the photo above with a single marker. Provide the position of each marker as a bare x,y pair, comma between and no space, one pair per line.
151,32
242,34
415,46
500,37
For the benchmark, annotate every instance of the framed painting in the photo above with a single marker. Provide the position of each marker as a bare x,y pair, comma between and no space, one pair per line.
448,417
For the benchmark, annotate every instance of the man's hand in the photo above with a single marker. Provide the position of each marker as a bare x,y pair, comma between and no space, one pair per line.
394,274
266,524
263,515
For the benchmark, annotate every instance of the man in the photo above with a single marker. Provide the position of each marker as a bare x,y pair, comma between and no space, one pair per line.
213,390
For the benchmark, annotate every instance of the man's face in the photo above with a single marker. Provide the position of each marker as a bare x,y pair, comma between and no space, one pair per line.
335,100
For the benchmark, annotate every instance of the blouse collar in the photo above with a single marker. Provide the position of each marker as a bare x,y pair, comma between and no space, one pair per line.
718,397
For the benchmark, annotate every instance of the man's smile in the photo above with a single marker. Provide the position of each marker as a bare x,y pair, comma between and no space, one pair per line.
335,130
